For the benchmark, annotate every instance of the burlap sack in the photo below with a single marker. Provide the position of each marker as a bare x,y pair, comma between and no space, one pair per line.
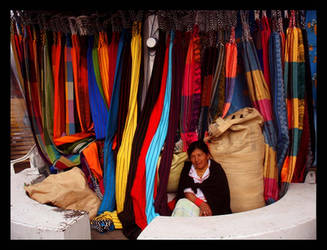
237,143
177,165
67,190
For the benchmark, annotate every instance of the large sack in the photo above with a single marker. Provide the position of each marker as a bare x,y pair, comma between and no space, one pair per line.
67,190
177,165
237,143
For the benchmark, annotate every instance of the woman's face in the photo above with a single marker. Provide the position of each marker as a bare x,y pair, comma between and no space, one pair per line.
199,159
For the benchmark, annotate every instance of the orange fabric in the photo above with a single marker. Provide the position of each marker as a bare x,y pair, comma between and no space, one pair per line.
92,157
103,55
71,138
59,125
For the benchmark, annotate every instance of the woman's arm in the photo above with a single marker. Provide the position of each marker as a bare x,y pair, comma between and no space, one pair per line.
205,209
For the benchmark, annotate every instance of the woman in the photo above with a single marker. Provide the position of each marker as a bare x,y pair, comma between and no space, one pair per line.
203,188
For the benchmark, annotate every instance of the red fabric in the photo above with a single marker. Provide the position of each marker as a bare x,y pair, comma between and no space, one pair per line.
265,34
59,115
198,202
138,191
79,61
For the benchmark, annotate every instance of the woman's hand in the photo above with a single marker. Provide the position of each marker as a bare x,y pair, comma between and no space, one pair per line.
205,209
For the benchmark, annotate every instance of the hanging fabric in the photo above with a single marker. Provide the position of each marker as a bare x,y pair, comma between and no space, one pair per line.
295,91
305,154
138,191
104,64
79,60
230,69
260,98
124,153
191,91
278,91
109,202
59,125
218,82
158,141
178,64
265,34
130,228
98,106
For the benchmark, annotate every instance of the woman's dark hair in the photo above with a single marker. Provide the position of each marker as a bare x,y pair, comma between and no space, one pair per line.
197,145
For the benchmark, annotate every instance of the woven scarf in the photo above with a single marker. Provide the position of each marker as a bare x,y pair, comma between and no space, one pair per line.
191,91
124,153
178,64
295,93
260,98
130,229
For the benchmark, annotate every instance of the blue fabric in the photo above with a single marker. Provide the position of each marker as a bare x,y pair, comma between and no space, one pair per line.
98,106
109,201
157,142
278,98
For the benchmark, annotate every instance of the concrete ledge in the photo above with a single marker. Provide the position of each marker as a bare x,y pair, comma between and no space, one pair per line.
30,219
292,217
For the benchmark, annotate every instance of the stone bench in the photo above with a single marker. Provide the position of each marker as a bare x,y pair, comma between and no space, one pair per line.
292,217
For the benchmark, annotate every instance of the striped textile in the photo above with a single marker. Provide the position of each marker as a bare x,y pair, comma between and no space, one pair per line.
124,153
59,119
260,98
208,65
191,91
98,107
265,35
104,64
69,88
158,142
109,202
230,72
79,60
178,64
294,79
278,97
130,228
217,83
138,191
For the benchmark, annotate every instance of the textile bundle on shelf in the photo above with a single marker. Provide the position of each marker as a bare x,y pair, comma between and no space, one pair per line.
101,98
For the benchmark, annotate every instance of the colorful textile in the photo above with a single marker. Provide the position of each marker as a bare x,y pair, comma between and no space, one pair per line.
311,28
79,60
130,228
124,153
158,141
178,64
278,97
138,191
59,125
109,202
260,97
230,75
191,91
295,93
98,106
69,87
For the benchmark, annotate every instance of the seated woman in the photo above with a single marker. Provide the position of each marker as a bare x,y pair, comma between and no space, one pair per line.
203,188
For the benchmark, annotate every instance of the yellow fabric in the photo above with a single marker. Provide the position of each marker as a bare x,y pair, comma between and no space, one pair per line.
112,216
124,153
103,54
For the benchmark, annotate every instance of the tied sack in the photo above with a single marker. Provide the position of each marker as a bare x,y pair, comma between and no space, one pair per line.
237,143
67,190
